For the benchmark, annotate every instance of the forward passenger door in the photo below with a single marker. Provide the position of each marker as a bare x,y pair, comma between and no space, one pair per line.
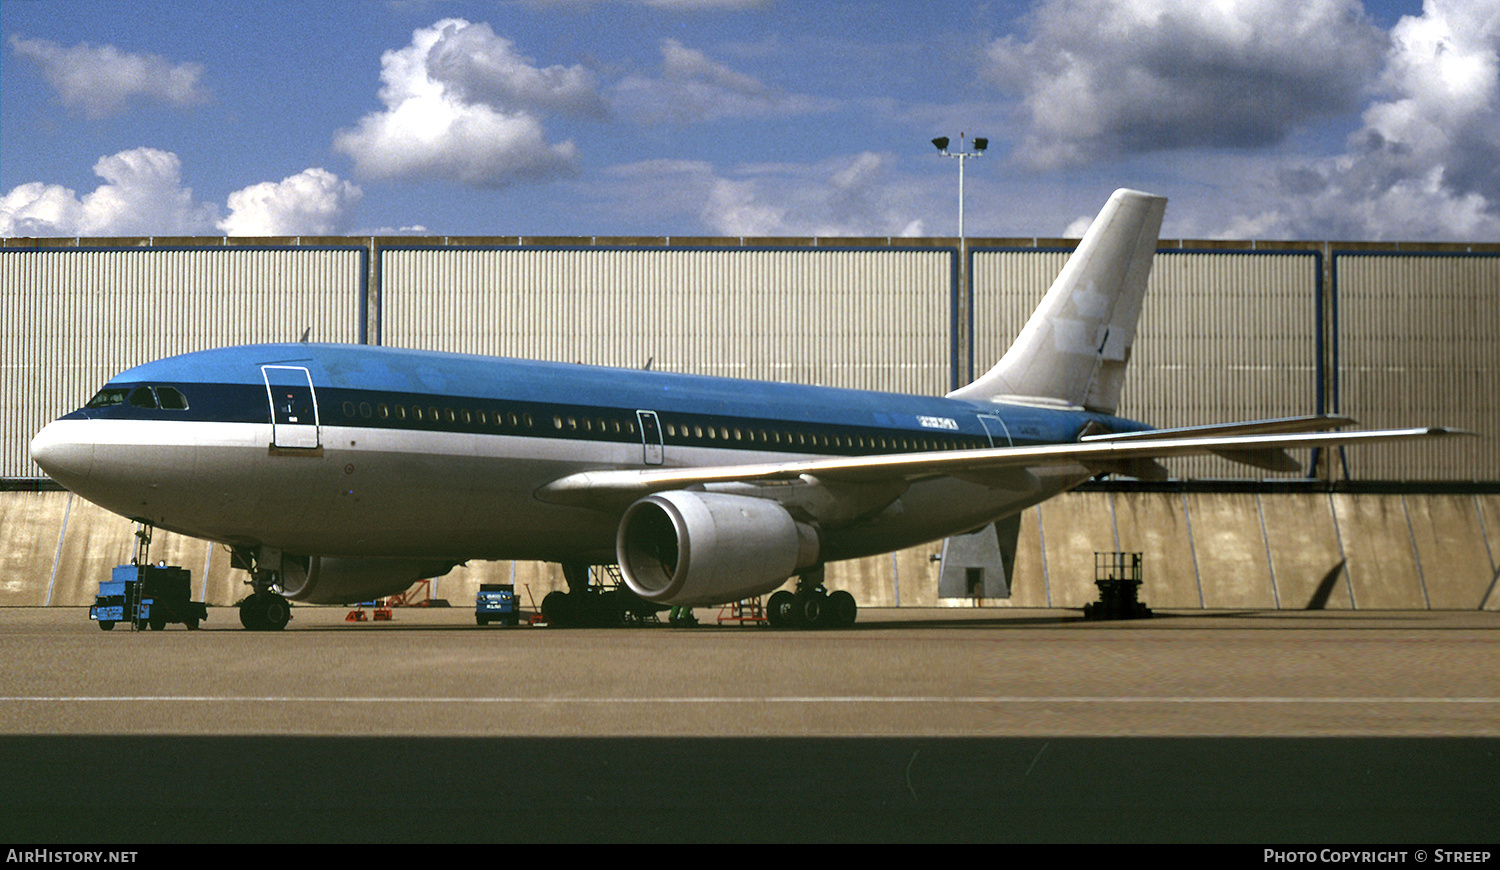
294,407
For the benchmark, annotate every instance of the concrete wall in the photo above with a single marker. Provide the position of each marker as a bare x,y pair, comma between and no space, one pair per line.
1251,551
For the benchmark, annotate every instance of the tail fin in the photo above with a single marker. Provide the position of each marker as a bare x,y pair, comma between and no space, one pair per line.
1075,347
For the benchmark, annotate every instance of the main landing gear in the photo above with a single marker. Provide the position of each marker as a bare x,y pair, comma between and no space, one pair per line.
591,605
605,605
811,606
264,609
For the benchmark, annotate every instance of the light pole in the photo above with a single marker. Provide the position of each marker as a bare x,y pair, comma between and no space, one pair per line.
980,143
964,341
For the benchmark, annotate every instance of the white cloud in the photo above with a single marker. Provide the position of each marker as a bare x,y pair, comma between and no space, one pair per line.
314,202
693,87
101,79
1099,78
38,210
470,120
143,196
699,5
1426,162
476,66
855,195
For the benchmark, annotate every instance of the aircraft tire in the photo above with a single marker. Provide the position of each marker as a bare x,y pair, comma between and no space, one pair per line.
277,613
779,609
557,609
811,611
605,610
265,611
842,609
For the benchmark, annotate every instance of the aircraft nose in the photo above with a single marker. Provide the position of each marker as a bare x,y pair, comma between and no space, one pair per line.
66,458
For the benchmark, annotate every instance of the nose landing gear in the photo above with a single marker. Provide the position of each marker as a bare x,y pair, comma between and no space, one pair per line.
264,609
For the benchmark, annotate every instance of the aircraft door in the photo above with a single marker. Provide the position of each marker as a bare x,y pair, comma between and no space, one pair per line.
996,429
294,407
651,443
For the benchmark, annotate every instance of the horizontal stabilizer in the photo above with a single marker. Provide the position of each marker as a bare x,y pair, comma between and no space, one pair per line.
1269,459
1285,425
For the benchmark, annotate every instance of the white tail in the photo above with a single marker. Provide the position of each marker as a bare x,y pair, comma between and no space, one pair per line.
1075,347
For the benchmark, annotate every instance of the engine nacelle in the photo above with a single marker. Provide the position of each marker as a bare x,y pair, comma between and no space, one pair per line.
697,548
325,580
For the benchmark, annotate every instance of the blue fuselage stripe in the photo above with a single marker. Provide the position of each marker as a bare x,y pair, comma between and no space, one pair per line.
362,387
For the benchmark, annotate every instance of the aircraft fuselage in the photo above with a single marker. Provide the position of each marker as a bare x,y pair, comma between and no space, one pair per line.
353,451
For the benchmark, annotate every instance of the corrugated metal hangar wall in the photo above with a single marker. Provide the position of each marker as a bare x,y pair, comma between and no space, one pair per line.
1389,335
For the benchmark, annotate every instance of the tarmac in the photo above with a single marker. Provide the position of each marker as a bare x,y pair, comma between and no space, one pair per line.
916,725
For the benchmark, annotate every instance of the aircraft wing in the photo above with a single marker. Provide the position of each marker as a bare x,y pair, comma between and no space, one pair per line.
594,487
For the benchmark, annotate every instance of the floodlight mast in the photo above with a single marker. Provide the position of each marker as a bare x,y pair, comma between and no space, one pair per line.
965,339
980,143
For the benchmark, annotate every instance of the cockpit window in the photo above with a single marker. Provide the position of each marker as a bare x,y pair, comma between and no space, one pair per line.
171,399
165,398
142,397
107,397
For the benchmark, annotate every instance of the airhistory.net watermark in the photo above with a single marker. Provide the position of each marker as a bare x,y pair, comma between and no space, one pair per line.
67,856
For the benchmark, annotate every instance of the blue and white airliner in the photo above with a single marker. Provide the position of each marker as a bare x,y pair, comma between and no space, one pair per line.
342,473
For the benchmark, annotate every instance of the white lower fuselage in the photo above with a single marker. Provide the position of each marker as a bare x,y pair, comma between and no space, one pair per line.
375,493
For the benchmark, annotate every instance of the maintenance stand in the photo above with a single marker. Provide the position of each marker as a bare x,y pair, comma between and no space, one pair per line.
1118,576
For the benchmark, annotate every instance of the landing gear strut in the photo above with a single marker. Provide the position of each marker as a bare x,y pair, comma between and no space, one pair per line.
812,605
264,609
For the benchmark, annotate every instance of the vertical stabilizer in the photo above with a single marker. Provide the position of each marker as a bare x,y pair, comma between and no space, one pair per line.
1075,346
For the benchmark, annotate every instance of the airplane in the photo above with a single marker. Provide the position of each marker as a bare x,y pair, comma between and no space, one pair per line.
342,473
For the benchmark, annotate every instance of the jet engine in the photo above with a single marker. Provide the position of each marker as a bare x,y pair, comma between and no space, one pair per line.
325,580
696,548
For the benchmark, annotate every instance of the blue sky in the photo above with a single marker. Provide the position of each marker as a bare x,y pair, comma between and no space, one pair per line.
1276,119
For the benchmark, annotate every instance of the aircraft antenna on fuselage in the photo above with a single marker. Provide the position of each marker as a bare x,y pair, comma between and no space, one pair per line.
1076,345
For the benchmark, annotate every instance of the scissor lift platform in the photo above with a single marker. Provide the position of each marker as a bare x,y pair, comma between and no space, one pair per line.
1118,576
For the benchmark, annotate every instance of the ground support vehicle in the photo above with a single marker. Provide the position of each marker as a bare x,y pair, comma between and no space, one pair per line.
496,602
147,596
